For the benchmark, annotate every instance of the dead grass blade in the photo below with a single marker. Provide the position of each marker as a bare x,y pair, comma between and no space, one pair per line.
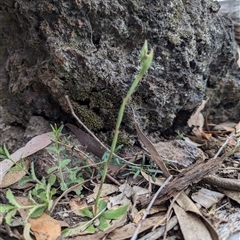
152,150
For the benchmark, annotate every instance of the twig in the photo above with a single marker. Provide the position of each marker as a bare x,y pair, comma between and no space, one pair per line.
222,147
168,215
225,183
134,237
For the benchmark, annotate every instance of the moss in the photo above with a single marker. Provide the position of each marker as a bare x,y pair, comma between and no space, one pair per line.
89,118
123,138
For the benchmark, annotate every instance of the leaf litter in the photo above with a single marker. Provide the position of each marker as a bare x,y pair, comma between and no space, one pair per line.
196,173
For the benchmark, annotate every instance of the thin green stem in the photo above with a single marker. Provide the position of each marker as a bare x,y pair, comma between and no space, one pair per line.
145,62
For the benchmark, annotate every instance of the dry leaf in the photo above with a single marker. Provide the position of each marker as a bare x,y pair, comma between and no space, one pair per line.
107,189
75,205
195,141
158,181
154,209
234,195
45,227
197,119
152,150
91,144
206,197
128,230
187,205
35,144
12,177
191,225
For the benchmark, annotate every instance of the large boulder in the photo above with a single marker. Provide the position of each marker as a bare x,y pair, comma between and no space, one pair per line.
89,50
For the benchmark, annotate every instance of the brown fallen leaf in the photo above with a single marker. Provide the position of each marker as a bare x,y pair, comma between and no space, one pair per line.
191,226
197,119
35,144
152,150
91,144
188,206
234,195
128,230
107,189
45,227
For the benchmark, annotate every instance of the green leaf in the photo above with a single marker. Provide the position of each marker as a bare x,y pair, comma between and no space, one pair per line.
52,169
25,180
37,212
101,205
90,229
52,179
153,178
6,152
136,174
16,168
143,52
85,212
147,62
115,213
83,226
64,163
6,207
9,215
50,204
43,196
104,223
52,149
105,156
52,192
11,199
63,186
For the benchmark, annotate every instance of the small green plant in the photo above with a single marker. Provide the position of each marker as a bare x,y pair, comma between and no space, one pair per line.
145,63
101,221
180,135
40,198
143,167
4,153
61,167
57,149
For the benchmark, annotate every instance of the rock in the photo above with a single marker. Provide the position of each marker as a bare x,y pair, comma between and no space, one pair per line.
90,51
